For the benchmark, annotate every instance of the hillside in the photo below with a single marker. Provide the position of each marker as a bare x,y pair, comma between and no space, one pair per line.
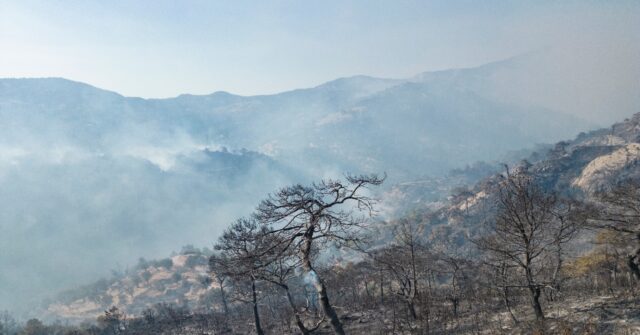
593,161
129,176
181,280
590,162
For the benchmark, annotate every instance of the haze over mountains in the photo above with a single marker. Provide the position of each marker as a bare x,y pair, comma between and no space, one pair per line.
92,180
591,162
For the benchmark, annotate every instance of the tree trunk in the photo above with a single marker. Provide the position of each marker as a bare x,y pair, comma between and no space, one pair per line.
299,322
326,306
412,309
507,304
256,314
455,300
224,301
319,284
633,266
632,261
381,287
555,279
505,292
534,291
454,304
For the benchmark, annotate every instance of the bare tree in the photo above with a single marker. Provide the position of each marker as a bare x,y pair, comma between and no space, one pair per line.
279,272
453,263
307,217
404,259
218,271
241,249
570,217
527,233
619,211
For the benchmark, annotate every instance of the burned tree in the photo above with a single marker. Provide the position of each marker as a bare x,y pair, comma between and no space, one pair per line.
279,272
307,217
219,274
527,234
453,263
570,217
405,259
619,212
242,250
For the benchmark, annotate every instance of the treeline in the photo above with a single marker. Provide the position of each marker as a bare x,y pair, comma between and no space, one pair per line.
307,261
527,255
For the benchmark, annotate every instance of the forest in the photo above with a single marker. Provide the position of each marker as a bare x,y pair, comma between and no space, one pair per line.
311,260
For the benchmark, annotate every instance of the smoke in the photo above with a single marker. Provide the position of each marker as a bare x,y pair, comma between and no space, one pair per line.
90,180
582,58
70,214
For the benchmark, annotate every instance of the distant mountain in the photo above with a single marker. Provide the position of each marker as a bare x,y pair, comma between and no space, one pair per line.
90,178
557,79
436,121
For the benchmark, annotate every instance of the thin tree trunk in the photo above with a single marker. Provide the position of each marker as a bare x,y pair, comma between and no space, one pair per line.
508,305
256,313
366,289
454,295
454,304
224,300
319,285
534,291
381,287
412,309
632,263
555,279
299,322
505,292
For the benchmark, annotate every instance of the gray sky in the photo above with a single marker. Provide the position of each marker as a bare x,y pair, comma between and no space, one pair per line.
160,48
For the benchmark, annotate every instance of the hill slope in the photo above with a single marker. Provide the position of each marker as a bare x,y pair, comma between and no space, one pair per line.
89,177
587,163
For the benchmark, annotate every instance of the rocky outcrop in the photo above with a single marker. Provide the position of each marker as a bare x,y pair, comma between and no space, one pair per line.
600,171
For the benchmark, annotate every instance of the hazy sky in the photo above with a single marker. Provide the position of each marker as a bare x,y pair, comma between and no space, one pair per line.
159,48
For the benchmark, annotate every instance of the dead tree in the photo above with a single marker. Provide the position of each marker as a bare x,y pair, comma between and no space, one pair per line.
308,217
217,268
570,217
452,263
405,259
241,255
279,272
619,211
526,233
